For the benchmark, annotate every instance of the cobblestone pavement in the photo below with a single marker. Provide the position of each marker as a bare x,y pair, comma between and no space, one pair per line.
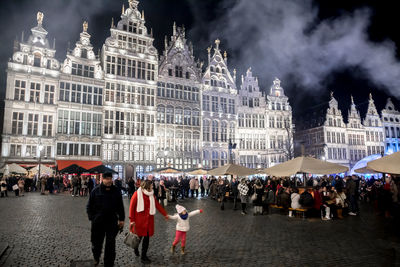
53,230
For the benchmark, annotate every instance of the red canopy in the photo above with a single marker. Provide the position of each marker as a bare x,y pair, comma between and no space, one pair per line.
61,164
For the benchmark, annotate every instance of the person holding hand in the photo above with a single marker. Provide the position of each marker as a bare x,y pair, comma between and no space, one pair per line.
141,214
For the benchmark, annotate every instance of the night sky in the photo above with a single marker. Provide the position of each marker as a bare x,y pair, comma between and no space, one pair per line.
329,57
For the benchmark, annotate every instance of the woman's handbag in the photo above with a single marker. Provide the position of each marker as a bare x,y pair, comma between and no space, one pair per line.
254,197
132,240
15,187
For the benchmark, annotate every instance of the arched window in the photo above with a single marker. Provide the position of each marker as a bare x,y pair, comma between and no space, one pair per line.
212,68
217,70
170,114
161,114
196,117
187,117
215,159
232,132
178,115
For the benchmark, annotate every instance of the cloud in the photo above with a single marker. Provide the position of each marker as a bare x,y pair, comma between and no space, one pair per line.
286,38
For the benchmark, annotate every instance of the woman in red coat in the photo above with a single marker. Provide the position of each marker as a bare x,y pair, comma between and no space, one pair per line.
141,214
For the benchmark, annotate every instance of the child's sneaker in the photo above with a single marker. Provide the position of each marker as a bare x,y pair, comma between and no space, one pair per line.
172,249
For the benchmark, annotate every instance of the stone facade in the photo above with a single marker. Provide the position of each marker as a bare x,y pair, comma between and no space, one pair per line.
344,143
135,110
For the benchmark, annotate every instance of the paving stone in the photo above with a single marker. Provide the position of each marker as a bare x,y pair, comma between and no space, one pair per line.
53,230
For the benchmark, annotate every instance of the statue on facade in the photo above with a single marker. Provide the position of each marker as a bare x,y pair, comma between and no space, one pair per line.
39,18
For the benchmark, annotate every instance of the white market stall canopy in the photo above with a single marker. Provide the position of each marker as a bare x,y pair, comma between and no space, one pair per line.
13,168
304,165
388,164
43,170
232,169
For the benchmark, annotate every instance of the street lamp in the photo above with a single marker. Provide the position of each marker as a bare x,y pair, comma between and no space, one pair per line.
230,147
40,158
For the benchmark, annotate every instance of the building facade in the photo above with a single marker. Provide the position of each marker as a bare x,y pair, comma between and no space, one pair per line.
178,105
130,74
391,124
334,140
80,103
31,100
134,110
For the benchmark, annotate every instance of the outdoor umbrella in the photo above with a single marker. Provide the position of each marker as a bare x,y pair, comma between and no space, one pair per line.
101,169
73,169
197,172
304,165
167,170
232,169
13,168
43,170
388,164
365,170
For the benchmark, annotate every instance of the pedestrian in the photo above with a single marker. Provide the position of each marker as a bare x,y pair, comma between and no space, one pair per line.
105,210
21,185
351,188
3,184
131,188
162,193
243,190
74,184
206,184
15,186
202,190
257,203
182,226
192,184
57,184
235,192
294,203
141,214
50,184
84,184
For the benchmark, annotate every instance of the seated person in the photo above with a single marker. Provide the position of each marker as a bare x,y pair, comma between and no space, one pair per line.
295,198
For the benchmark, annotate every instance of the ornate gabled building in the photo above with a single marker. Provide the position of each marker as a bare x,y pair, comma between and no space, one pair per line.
340,142
252,130
219,100
80,104
30,102
178,104
355,135
133,110
374,130
280,125
391,124
131,72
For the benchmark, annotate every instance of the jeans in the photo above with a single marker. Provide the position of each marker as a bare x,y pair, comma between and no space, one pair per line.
353,203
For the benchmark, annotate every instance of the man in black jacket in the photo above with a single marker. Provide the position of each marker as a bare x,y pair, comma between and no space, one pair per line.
105,210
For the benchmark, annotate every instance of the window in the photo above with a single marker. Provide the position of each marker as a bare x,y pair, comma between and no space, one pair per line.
47,125
244,101
30,151
170,115
206,130
215,131
49,94
108,122
15,151
206,103
37,60
196,117
169,72
187,117
214,103
110,65
231,107
19,90
17,122
33,120
241,120
160,114
178,116
224,132
35,92
224,106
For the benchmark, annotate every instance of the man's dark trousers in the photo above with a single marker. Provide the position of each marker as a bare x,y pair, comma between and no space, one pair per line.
109,231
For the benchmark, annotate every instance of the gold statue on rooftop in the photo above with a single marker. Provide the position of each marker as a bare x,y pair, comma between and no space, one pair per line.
85,26
39,18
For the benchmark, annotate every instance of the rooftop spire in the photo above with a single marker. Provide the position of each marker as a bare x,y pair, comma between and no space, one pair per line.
123,8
